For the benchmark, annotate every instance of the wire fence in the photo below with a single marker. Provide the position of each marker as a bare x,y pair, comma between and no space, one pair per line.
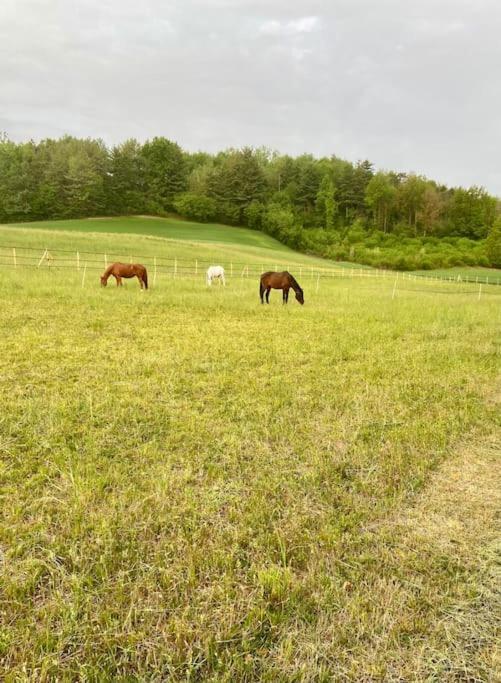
15,256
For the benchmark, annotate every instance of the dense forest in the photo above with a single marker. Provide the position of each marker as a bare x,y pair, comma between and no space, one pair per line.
327,206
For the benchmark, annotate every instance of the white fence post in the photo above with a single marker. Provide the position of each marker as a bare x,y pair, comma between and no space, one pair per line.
43,256
83,276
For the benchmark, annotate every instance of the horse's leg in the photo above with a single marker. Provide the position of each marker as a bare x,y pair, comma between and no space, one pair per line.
223,281
286,295
268,290
140,281
117,279
261,291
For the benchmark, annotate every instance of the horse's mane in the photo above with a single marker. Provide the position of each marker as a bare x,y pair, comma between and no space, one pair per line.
294,283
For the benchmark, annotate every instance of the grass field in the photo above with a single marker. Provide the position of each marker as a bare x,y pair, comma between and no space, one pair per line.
196,487
174,230
489,275
171,228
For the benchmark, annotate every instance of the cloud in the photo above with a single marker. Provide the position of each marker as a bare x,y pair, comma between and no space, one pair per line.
409,86
292,27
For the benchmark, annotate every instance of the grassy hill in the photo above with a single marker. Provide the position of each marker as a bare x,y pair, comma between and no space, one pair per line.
232,242
170,228
145,239
198,487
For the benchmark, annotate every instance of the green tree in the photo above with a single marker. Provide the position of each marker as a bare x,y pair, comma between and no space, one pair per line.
493,243
471,212
195,206
380,195
198,180
254,215
14,194
165,173
281,172
431,209
84,188
127,183
325,203
278,220
235,182
410,196
307,185
352,186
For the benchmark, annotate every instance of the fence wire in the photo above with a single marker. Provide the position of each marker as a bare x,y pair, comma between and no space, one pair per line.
16,256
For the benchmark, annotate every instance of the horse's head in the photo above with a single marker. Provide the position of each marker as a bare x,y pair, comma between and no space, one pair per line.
300,296
104,281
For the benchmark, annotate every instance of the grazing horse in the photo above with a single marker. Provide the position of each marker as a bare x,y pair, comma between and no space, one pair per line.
215,273
283,281
120,270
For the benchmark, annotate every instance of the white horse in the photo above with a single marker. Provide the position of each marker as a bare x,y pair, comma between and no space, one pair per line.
215,273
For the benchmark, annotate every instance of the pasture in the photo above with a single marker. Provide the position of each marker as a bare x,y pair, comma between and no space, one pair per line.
196,487
171,228
471,274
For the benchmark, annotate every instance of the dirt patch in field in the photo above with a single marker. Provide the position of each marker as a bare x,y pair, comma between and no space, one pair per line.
456,523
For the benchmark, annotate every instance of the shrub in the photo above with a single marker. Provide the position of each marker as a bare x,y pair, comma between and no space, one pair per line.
254,215
195,206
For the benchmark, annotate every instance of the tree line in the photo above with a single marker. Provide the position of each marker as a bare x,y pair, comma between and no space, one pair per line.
326,206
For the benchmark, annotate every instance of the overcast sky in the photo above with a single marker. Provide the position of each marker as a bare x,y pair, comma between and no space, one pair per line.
410,85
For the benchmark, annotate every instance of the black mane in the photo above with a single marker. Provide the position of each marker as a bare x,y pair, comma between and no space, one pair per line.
294,282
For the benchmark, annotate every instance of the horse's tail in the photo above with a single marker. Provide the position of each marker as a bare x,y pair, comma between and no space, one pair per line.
145,278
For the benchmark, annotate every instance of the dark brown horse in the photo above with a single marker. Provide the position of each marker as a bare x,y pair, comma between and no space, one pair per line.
283,281
120,270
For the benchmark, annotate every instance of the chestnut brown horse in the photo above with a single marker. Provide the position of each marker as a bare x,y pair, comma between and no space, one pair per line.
120,270
283,281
